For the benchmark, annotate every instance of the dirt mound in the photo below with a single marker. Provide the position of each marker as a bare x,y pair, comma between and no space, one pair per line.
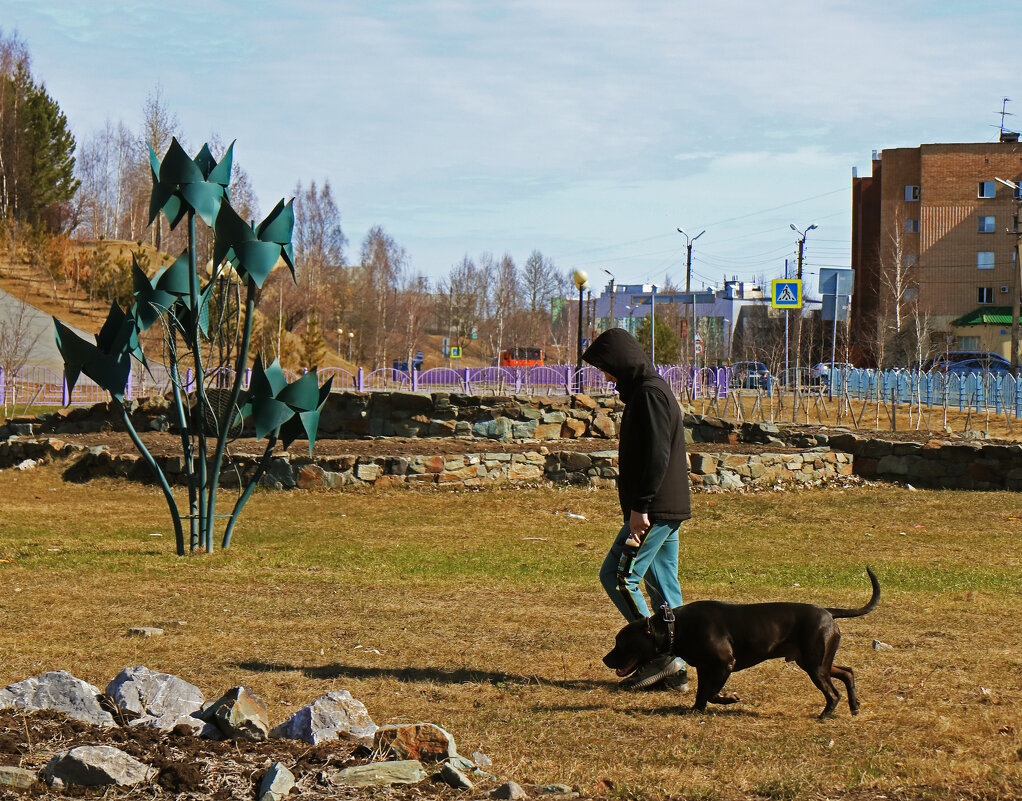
189,767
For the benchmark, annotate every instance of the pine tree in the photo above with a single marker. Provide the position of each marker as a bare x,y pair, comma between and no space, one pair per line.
36,154
667,346
313,344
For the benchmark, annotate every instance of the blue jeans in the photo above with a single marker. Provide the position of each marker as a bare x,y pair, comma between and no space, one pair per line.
656,562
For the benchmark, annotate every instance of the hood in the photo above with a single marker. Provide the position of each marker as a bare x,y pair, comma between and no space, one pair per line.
619,353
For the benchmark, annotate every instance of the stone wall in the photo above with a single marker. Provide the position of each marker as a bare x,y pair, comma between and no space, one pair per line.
596,469
938,464
351,415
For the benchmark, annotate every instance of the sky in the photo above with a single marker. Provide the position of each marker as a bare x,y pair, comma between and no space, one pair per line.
589,131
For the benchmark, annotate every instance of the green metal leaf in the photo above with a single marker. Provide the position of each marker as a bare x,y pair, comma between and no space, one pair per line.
302,394
109,370
177,168
279,224
268,415
181,184
221,173
175,278
255,251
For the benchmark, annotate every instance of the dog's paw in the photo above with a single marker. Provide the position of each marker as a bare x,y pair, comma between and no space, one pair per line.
725,698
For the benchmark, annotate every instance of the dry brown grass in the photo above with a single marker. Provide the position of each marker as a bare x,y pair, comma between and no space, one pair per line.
464,621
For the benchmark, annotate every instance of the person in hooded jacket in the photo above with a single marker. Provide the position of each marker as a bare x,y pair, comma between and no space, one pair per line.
653,490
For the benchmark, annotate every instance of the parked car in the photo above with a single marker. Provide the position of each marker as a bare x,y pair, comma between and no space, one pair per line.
750,375
944,361
981,366
820,373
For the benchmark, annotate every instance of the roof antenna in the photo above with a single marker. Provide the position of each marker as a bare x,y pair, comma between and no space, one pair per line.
1006,135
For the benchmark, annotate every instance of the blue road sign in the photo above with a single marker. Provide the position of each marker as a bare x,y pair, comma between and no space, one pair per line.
786,293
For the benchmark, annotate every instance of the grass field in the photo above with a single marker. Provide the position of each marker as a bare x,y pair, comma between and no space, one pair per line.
481,612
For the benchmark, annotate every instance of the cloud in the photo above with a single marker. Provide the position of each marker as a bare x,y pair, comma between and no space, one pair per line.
563,126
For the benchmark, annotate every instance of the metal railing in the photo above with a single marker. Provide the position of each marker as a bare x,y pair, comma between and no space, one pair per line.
40,386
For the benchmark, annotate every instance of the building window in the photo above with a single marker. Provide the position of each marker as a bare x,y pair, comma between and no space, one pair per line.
911,226
911,192
985,294
986,189
986,225
911,259
985,260
967,343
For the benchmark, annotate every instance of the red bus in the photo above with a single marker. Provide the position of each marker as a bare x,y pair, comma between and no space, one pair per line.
521,357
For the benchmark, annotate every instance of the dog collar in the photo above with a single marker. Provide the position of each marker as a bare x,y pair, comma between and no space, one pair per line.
668,615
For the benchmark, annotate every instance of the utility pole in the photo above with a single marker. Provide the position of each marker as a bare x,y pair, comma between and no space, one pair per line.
798,338
688,282
652,325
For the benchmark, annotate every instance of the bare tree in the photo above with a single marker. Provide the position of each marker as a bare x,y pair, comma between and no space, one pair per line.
414,305
382,263
539,281
14,60
159,125
319,241
464,293
899,285
17,338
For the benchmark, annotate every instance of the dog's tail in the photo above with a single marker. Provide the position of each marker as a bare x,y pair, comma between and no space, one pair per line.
865,610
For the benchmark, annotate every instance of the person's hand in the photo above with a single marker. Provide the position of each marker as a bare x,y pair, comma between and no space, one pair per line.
638,523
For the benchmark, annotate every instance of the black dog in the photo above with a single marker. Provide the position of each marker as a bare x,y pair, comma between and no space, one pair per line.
718,638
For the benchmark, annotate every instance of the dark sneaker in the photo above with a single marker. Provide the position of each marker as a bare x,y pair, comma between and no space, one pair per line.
657,669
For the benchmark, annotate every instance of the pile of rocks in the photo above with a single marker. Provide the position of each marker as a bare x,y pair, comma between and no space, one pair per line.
139,698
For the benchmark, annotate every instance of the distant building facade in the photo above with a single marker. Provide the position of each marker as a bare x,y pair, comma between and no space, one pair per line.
717,315
930,246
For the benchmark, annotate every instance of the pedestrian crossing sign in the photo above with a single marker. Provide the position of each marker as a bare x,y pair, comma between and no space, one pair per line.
786,293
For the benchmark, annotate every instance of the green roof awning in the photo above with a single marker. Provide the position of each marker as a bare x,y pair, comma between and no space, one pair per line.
985,315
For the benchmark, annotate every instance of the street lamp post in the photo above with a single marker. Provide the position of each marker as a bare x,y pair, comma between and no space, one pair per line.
351,338
581,279
340,331
801,245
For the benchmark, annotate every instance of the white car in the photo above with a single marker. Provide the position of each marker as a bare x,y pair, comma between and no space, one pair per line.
821,372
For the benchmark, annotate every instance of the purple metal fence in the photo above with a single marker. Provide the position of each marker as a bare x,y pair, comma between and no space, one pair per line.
35,385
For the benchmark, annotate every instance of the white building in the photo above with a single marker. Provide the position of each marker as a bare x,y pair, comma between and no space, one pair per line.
716,313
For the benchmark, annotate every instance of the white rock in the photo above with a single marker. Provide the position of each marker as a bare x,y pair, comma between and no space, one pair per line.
97,765
336,715
158,696
60,691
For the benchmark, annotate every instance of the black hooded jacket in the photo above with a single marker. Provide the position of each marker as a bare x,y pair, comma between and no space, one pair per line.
652,465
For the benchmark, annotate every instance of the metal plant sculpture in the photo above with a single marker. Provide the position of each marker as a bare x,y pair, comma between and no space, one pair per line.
184,188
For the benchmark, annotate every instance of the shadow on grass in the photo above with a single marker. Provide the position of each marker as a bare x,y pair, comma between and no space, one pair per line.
685,708
427,674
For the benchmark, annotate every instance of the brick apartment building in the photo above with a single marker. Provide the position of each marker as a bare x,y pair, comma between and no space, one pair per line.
936,215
